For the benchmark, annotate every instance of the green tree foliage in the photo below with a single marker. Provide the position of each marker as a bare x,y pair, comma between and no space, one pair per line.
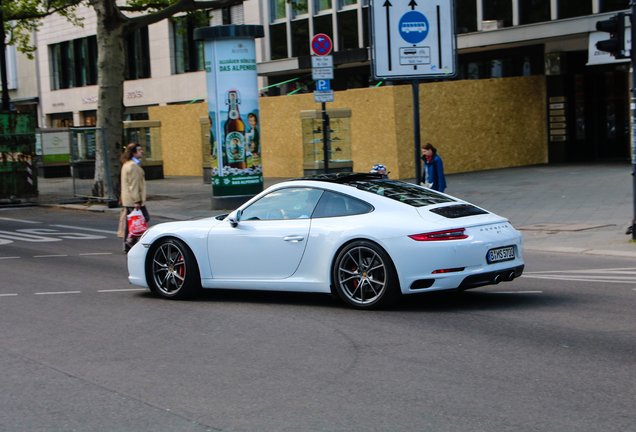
22,17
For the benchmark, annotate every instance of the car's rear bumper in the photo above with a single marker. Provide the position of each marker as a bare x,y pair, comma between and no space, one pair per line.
491,278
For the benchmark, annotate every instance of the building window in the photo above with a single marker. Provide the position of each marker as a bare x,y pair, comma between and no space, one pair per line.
574,8
534,11
74,63
300,7
278,9
498,10
501,63
323,24
466,13
348,30
137,54
278,40
614,5
365,27
344,3
300,37
322,5
188,53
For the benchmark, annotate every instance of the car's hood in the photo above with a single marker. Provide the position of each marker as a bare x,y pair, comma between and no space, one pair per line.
179,228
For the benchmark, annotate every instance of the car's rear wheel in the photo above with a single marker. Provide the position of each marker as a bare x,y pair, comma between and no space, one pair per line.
172,270
364,276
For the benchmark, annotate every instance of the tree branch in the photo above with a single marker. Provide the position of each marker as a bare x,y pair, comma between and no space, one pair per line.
180,6
23,15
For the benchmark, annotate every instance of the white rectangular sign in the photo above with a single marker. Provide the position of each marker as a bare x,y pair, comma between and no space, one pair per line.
413,39
321,73
322,62
323,96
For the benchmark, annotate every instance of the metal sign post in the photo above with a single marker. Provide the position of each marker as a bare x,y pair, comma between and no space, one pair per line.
322,72
632,18
414,40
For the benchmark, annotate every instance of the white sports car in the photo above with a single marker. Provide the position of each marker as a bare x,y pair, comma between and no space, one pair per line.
364,239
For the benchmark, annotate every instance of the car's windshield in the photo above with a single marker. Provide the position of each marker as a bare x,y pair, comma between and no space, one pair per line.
403,192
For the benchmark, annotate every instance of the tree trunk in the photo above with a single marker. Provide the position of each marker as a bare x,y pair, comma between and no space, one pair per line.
3,66
111,27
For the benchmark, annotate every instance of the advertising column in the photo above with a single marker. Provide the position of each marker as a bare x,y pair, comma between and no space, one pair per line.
230,64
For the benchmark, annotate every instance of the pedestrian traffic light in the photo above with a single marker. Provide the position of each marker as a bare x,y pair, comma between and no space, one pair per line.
615,26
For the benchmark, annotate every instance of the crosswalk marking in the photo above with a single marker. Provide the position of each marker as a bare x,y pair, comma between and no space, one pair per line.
87,229
19,220
611,275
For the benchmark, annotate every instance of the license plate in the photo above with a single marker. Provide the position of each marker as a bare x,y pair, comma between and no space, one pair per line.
501,254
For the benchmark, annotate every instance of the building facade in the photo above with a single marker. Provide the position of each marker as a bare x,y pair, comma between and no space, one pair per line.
164,65
587,91
587,98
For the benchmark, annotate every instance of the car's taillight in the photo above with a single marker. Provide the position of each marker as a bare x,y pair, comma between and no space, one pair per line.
454,234
451,270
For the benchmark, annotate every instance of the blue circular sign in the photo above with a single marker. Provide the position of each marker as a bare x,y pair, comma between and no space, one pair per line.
413,27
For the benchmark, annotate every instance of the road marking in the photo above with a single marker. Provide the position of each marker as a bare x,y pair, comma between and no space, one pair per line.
86,229
58,292
121,290
2,258
624,275
8,295
97,253
516,292
48,256
19,220
25,237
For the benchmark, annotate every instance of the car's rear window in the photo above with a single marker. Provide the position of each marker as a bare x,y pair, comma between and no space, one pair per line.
403,192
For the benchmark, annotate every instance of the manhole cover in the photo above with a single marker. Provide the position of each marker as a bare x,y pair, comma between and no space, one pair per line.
561,227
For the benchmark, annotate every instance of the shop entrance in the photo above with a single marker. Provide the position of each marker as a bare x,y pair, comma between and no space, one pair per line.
597,111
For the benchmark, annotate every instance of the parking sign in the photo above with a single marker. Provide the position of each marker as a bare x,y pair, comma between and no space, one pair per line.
323,85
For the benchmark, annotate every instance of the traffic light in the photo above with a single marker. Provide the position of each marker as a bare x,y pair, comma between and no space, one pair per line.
615,26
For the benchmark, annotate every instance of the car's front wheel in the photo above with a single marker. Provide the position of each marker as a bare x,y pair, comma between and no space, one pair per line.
172,270
364,276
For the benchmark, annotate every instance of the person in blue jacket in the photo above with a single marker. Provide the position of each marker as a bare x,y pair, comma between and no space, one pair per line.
433,174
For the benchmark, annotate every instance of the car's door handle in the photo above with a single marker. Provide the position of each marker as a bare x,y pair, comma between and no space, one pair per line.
295,238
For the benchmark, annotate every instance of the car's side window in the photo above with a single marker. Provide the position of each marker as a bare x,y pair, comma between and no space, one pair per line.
287,203
335,204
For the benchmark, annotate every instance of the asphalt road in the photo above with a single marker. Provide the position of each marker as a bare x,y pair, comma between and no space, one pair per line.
83,350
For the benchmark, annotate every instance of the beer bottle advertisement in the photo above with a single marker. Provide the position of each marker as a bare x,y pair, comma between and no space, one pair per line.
234,112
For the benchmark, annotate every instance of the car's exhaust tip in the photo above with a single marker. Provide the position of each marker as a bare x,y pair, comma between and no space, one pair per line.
496,279
511,276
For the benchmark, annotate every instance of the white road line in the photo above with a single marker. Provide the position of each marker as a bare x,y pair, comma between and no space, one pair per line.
612,270
19,220
58,292
515,292
48,256
86,229
8,295
579,280
97,253
121,290
2,258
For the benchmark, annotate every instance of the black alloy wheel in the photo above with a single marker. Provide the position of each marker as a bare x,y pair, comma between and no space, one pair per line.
364,276
172,270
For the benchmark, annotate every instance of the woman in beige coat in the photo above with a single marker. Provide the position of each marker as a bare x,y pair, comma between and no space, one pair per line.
133,190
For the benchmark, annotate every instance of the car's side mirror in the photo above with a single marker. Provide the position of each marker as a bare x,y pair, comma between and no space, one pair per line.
235,218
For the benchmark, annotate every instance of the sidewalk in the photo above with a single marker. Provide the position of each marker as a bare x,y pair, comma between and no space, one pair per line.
573,208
